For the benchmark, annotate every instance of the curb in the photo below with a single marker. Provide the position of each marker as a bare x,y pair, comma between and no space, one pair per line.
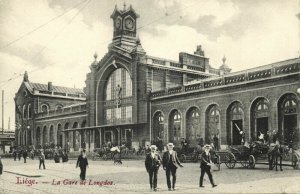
22,174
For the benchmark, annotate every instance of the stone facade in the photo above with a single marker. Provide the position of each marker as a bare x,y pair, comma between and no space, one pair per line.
134,99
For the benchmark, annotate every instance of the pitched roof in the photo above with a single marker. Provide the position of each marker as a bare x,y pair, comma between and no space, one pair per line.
59,89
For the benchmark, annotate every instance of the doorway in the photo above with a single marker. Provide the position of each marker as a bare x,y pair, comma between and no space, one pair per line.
237,126
262,125
289,126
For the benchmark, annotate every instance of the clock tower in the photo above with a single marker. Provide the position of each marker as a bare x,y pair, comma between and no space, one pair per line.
124,22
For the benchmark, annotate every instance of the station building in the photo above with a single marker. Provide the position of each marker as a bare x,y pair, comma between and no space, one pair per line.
133,98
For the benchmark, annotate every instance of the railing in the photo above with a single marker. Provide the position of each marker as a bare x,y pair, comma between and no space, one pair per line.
157,61
213,83
175,90
178,65
79,95
193,87
233,78
62,111
195,68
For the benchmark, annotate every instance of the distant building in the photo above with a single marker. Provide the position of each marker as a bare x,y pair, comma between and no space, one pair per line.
136,98
7,139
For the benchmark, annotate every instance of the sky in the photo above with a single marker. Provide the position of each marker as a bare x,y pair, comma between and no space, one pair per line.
55,40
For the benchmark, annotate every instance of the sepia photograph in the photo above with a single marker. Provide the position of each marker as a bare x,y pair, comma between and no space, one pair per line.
149,96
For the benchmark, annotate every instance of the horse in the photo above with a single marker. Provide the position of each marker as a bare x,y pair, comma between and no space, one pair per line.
273,151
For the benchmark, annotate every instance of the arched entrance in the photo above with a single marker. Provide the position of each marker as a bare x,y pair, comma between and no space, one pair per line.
260,114
45,139
213,123
235,123
29,142
158,126
76,137
68,137
288,111
51,136
158,134
38,136
97,138
83,134
175,126
192,126
59,136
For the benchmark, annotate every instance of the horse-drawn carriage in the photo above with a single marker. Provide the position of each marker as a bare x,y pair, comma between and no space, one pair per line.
189,154
257,153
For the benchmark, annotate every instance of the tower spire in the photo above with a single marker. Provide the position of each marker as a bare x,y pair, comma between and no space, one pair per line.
124,6
25,78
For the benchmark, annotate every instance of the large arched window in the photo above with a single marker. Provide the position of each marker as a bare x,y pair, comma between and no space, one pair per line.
118,85
175,126
192,125
158,125
212,123
235,123
118,89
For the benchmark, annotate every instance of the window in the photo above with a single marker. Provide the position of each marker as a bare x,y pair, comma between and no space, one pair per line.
128,112
118,85
29,111
58,107
262,105
24,112
44,108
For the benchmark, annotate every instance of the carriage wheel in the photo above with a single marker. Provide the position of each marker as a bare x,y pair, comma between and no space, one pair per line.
251,161
182,158
230,160
295,161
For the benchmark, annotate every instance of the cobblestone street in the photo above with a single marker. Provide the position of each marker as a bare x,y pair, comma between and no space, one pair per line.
131,177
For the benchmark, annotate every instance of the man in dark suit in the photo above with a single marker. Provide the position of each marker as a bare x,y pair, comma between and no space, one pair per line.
25,155
170,165
206,166
152,164
1,166
42,159
82,162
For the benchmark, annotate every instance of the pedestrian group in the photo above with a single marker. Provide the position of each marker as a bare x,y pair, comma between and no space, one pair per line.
170,164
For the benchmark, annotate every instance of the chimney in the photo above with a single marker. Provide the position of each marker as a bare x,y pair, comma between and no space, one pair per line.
50,87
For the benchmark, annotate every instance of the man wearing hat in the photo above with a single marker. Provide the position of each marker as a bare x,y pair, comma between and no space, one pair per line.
152,164
82,162
206,166
170,165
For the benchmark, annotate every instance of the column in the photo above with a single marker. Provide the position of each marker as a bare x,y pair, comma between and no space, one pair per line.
92,139
70,141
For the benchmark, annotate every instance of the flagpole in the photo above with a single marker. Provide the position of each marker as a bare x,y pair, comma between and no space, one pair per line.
2,111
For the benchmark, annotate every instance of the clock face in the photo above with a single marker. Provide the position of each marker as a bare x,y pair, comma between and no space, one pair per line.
129,24
118,23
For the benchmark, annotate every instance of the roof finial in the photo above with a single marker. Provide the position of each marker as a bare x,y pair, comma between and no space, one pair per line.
224,60
25,78
124,5
95,56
